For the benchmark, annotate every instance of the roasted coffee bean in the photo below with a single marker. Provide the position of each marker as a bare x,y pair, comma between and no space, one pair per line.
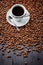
8,50
14,53
25,54
20,48
3,43
17,54
3,50
13,49
6,46
41,36
35,44
8,56
3,54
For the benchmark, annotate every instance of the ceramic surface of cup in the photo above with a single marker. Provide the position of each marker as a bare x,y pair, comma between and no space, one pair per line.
19,14
18,10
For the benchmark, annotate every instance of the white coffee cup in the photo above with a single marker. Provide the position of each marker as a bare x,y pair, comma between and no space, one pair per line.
18,18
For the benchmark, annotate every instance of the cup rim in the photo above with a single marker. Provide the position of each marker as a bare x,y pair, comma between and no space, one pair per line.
20,6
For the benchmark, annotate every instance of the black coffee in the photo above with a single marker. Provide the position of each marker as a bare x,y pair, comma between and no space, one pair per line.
17,11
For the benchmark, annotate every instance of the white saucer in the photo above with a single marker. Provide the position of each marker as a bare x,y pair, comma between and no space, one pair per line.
22,22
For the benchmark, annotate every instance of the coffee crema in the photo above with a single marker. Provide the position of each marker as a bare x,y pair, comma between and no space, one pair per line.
18,11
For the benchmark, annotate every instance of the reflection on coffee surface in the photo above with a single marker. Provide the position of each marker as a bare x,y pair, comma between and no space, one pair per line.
17,11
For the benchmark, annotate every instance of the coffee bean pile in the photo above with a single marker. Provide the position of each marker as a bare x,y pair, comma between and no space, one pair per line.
30,36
